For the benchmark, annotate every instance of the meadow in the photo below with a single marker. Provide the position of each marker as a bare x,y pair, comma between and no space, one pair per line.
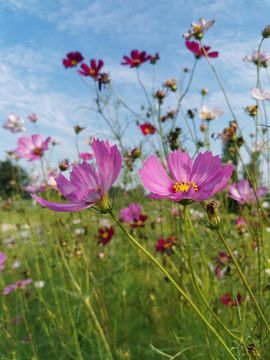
155,252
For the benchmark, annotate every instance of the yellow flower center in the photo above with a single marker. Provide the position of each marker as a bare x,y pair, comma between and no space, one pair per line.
37,151
167,245
146,130
98,188
196,27
73,62
92,71
184,186
105,235
136,62
223,259
139,223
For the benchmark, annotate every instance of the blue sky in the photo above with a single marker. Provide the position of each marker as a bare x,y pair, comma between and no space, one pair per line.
36,36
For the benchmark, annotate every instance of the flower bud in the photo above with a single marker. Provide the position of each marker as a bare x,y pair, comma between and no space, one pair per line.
136,153
203,127
213,213
204,92
191,114
78,129
266,31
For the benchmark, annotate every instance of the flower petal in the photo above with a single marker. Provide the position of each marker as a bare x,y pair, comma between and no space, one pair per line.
62,207
180,165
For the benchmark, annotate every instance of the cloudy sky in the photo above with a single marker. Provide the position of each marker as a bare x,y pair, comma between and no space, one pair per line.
36,35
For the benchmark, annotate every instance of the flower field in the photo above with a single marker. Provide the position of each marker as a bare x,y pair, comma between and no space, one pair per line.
154,251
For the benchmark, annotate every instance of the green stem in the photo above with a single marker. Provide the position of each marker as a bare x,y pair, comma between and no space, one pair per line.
243,279
195,283
172,281
161,131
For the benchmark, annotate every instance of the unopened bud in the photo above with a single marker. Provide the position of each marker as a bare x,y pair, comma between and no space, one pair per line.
136,153
203,127
191,113
213,213
204,92
78,129
266,31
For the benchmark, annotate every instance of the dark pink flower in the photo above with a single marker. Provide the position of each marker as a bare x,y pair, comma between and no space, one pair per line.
93,70
165,246
20,284
243,193
73,58
136,58
130,213
192,182
195,48
228,300
139,222
147,129
105,235
32,149
87,187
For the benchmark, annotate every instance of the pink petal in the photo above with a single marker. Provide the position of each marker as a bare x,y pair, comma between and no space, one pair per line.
180,165
62,207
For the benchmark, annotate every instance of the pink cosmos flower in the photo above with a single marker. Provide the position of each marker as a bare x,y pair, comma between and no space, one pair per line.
209,114
73,58
35,186
198,29
264,58
130,213
165,246
243,193
86,187
139,222
33,118
241,225
14,124
32,149
86,156
3,258
20,284
195,48
197,182
93,70
228,300
147,129
136,58
105,235
259,94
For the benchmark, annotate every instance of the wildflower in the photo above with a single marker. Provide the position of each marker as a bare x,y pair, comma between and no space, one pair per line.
209,114
259,94
165,246
93,70
17,319
14,124
139,222
136,58
33,118
105,235
19,284
87,187
86,156
228,300
32,149
130,213
175,212
73,58
195,48
170,115
194,182
78,129
259,147
223,258
35,187
3,258
147,128
213,213
154,59
264,58
39,284
252,110
243,193
198,29
229,133
241,225
171,84
64,165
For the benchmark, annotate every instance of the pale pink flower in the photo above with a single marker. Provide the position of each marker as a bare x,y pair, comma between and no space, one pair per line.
243,193
209,114
264,58
259,94
86,156
19,284
33,118
14,124
198,29
86,187
32,149
189,182
3,258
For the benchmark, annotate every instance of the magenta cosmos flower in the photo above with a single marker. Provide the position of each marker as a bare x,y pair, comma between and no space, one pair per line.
195,48
130,213
73,58
195,182
14,124
32,149
136,58
3,258
19,284
243,193
93,70
86,187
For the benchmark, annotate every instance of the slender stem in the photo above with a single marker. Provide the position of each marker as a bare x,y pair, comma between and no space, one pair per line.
243,279
195,283
172,281
161,131
190,80
144,89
